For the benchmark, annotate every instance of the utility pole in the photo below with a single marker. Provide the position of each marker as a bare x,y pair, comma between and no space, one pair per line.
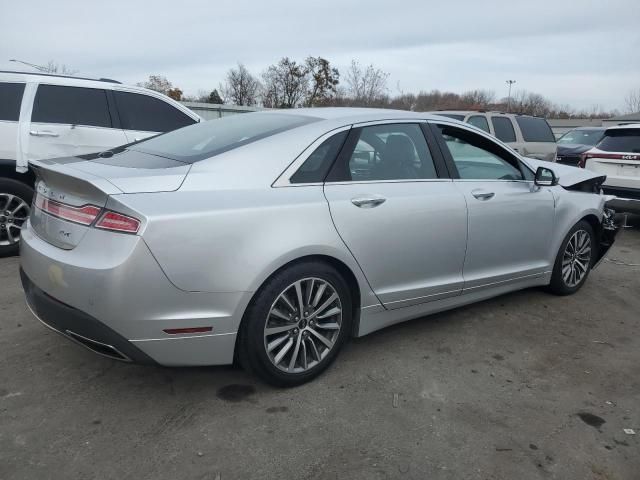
509,82
37,67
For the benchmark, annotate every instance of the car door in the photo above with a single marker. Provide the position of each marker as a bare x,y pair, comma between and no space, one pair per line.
510,219
144,116
68,121
399,214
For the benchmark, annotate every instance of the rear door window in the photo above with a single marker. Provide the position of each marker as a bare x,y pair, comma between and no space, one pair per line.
386,152
535,129
71,106
503,129
479,121
10,101
621,140
148,114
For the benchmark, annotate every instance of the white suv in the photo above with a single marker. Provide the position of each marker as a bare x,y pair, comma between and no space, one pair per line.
530,136
44,116
617,156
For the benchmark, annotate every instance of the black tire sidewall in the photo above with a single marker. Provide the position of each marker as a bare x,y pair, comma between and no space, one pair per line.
557,284
25,192
253,354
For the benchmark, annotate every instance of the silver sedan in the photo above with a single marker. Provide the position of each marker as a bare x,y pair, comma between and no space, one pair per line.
271,238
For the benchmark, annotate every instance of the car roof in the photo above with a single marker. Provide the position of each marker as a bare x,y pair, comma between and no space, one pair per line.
354,114
624,126
103,83
588,128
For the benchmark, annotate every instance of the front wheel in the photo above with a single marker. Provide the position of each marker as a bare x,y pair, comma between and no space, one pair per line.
296,324
15,201
574,260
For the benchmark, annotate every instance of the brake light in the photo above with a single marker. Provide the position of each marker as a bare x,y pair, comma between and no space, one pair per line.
117,222
84,215
87,215
607,156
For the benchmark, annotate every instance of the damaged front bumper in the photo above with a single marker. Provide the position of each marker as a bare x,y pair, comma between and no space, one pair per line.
607,234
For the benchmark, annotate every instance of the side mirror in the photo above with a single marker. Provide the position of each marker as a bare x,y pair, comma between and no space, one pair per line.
545,177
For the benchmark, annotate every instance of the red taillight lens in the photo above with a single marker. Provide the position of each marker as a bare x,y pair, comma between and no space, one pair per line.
84,215
117,222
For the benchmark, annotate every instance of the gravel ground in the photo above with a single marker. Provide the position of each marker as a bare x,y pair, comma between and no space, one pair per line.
524,386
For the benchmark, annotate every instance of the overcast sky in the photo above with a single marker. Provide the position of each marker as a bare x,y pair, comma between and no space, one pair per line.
580,52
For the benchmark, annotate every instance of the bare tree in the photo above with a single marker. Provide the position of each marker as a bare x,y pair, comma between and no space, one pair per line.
366,86
323,81
285,84
241,88
157,83
477,99
632,101
62,69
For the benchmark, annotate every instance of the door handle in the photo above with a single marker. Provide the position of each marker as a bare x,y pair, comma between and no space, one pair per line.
482,194
368,202
43,133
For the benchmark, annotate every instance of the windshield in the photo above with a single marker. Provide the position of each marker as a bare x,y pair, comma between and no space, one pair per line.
581,137
207,139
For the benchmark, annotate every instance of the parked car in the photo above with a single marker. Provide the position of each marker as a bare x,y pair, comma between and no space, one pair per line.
527,135
577,141
274,236
617,156
45,116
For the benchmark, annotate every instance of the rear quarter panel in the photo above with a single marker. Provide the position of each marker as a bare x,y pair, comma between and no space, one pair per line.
233,240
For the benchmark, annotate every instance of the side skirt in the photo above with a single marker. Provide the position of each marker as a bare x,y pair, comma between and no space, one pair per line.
375,319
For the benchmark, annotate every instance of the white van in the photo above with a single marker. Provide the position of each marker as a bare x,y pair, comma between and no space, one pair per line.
530,136
46,116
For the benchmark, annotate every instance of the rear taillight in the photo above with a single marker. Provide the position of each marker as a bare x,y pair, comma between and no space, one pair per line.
87,215
117,222
84,215
606,156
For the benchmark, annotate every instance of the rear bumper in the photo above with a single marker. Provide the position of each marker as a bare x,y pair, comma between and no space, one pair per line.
80,327
110,295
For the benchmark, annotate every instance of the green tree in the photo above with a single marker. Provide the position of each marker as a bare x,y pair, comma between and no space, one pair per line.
214,97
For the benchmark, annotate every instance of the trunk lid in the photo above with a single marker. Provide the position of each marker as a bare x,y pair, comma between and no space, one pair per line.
89,180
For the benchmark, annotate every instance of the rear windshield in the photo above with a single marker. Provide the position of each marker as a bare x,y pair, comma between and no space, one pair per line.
207,139
535,129
621,140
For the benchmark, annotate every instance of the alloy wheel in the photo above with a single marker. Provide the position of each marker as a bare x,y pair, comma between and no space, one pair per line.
576,258
14,212
303,325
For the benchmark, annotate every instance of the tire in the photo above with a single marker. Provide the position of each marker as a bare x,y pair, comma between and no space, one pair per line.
311,360
14,195
560,284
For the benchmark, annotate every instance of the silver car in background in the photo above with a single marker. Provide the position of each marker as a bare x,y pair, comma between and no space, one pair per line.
272,237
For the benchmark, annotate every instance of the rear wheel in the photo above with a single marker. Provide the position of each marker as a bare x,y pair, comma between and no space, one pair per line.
15,201
296,324
574,260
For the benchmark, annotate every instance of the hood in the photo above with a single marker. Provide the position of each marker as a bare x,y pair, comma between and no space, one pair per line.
568,176
126,170
572,148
